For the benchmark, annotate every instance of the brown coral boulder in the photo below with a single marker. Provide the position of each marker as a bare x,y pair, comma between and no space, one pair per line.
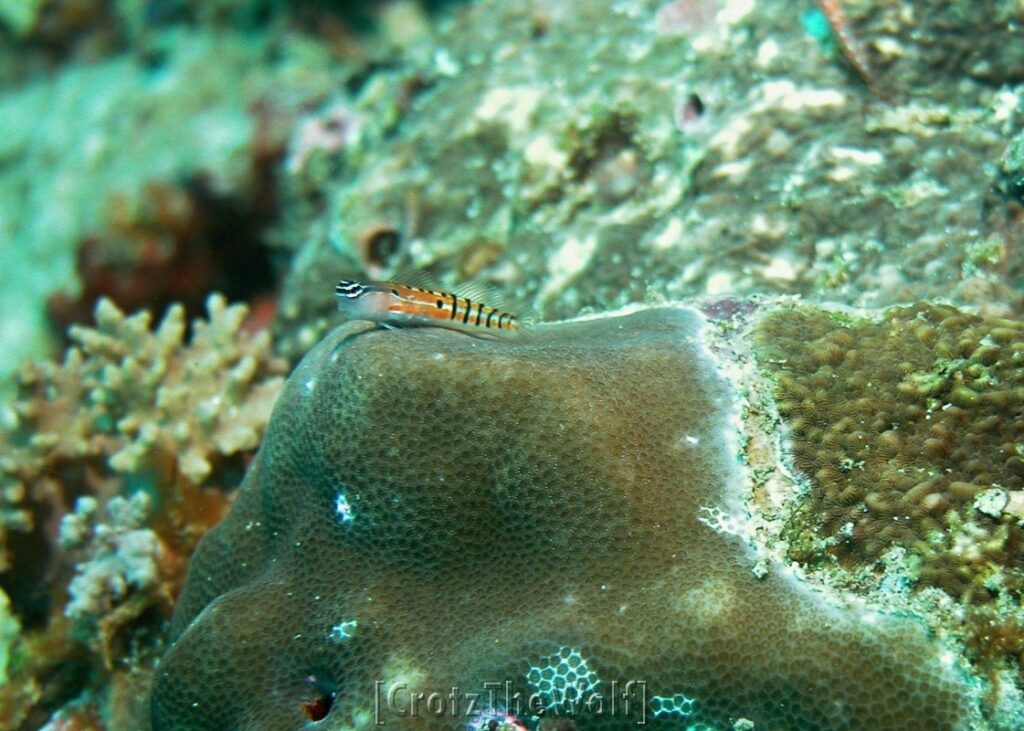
540,523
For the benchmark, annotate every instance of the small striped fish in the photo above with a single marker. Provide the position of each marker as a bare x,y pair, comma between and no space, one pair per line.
400,305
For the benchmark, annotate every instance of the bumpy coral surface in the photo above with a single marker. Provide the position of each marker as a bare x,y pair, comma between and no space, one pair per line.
907,428
557,512
902,423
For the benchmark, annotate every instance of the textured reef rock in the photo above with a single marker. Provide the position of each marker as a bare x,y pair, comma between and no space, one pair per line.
690,148
903,423
564,512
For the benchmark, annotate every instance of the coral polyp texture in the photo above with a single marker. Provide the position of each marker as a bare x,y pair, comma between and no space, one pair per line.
558,513
908,428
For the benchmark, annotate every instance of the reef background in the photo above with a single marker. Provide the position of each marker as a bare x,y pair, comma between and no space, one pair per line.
578,156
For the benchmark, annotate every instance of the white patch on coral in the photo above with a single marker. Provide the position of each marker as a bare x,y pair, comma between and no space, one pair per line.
75,527
735,11
138,550
870,617
780,269
787,95
343,630
1005,104
512,105
767,52
853,159
670,235
328,131
841,174
343,509
124,557
542,152
719,283
764,227
992,502
445,64
572,257
706,605
398,672
857,156
720,521
728,139
734,171
193,465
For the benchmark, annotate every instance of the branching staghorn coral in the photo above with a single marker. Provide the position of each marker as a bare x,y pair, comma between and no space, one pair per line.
140,430
122,571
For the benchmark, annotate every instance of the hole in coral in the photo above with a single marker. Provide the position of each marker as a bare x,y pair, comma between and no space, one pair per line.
378,246
690,112
316,709
319,701
30,574
608,138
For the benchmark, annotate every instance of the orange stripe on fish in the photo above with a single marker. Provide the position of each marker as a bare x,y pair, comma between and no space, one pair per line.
401,305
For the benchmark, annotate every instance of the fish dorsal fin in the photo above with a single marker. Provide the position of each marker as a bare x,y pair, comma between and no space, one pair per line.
494,296
490,294
420,278
484,292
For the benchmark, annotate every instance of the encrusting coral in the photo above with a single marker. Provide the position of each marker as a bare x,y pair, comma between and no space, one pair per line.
907,427
134,439
557,512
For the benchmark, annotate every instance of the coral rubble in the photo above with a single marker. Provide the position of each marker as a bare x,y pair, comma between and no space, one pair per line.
560,512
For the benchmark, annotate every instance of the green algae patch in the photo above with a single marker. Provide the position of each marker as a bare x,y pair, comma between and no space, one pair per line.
559,513
9,629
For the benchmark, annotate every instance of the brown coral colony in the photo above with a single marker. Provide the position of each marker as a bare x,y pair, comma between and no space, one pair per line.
901,425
